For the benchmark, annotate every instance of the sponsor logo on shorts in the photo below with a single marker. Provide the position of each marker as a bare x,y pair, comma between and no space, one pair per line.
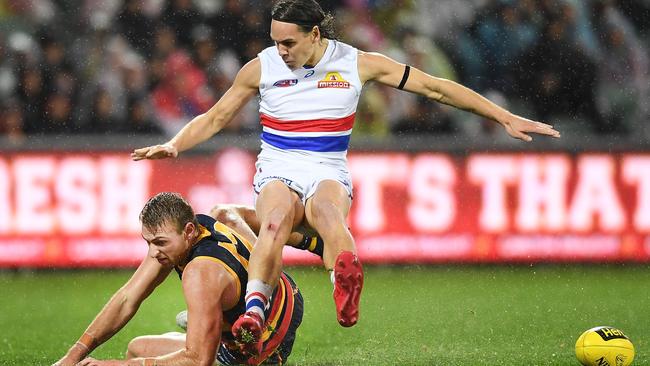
265,180
334,80
285,83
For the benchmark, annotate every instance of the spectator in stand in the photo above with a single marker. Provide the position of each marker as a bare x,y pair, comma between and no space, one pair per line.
111,75
54,58
226,24
210,58
32,97
410,113
638,12
134,75
139,119
8,79
11,121
623,79
165,41
182,93
135,26
255,26
103,119
559,79
423,118
181,16
502,38
581,28
164,46
58,115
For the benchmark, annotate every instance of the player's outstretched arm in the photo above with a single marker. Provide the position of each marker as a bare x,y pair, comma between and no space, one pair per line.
375,66
208,289
204,126
118,311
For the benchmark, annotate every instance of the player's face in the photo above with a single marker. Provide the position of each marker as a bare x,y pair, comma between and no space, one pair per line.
294,46
166,244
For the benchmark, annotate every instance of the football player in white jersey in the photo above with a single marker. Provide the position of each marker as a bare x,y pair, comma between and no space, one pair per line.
302,178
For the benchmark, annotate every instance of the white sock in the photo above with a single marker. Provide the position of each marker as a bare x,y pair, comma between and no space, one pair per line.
257,297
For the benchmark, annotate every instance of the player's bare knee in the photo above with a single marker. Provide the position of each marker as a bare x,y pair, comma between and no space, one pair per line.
277,220
136,347
325,215
221,213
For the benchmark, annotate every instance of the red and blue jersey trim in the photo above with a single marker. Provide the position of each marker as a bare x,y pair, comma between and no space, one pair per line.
309,125
319,144
319,135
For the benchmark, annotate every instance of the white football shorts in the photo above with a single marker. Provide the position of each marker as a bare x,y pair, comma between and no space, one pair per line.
301,174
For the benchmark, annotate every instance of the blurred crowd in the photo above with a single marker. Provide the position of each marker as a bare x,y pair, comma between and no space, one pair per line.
149,66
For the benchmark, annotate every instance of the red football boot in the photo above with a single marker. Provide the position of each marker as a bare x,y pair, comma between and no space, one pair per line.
247,331
348,282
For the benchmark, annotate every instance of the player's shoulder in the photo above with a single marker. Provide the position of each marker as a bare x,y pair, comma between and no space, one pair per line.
205,220
210,246
216,231
371,57
343,50
269,57
249,75
268,51
372,65
206,274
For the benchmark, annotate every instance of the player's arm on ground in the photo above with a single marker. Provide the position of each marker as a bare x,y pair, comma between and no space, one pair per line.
378,67
118,311
244,221
205,125
209,288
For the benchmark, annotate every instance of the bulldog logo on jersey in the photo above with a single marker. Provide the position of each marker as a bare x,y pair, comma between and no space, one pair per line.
334,80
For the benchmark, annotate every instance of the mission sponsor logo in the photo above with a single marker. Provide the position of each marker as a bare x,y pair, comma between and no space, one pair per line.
285,83
334,80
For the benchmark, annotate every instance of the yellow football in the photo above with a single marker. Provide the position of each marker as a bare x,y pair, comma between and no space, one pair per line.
604,346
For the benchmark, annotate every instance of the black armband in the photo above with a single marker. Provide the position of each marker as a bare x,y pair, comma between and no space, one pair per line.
405,77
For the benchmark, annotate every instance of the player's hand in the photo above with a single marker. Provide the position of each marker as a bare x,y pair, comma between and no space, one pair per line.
93,362
74,355
65,362
519,127
155,152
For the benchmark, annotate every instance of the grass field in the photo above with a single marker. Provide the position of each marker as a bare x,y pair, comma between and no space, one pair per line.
440,315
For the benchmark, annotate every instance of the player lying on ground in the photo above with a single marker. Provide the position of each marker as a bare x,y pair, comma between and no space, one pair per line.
212,259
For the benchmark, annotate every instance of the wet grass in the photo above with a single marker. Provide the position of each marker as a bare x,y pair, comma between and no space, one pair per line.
438,315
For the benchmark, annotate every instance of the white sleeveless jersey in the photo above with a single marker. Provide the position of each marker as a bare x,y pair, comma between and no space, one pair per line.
309,111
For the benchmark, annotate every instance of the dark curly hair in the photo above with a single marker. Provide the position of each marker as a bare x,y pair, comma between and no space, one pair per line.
306,14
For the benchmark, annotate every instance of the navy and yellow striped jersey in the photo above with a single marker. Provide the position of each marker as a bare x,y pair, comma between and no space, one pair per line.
221,244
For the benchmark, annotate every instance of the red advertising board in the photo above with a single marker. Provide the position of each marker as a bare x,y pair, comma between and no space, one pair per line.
80,210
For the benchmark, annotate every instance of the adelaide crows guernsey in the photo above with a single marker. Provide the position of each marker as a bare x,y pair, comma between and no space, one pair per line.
309,110
220,244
